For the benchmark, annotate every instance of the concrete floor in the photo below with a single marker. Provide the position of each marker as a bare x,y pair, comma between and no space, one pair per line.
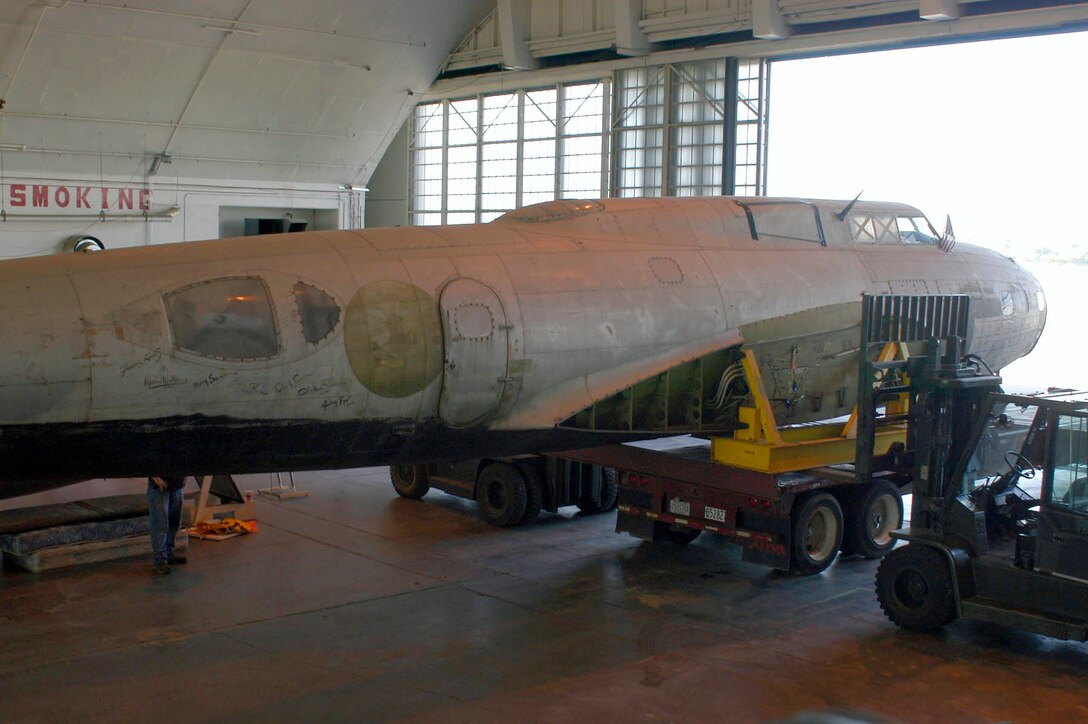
353,604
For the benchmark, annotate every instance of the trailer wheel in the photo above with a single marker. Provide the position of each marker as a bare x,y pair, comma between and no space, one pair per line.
914,588
501,494
610,490
817,533
681,535
871,516
534,492
410,480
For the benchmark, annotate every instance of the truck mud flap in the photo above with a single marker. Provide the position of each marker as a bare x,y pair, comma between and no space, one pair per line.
768,541
767,553
636,525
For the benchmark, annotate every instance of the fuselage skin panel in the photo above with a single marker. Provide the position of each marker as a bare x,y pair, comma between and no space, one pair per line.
344,348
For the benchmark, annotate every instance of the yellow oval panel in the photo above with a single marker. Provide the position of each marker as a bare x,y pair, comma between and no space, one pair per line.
392,338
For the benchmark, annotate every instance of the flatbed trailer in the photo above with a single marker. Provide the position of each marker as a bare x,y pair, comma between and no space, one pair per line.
513,491
671,489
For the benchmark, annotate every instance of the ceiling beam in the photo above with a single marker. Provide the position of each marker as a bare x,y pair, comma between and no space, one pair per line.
939,9
768,22
630,40
513,16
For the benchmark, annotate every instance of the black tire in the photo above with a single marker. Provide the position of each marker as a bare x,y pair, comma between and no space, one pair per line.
410,480
914,588
610,490
534,492
872,513
502,495
681,535
816,533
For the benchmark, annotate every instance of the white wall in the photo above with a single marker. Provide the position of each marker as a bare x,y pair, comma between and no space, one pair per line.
176,210
387,195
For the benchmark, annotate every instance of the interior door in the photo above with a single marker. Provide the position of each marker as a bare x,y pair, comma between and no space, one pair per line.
475,334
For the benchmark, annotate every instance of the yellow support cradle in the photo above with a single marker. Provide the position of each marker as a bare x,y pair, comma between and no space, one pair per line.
765,447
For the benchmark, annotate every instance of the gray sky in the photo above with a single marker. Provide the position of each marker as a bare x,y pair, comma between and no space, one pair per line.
996,133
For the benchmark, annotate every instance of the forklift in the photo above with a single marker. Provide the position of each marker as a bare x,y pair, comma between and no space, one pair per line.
999,517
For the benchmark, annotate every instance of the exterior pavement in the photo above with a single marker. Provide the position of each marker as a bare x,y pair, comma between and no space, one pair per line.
355,605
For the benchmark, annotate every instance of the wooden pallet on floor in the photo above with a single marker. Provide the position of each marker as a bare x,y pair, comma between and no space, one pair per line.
75,554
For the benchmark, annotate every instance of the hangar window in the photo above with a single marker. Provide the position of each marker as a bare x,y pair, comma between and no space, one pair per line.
474,158
791,220
681,129
230,319
318,312
690,129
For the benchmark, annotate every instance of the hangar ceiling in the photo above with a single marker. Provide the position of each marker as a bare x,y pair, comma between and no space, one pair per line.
221,89
276,90
569,40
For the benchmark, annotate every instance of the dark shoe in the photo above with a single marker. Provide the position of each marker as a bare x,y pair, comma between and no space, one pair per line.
177,560
160,569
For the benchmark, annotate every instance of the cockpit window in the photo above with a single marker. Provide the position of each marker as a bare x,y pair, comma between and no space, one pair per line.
886,228
916,230
318,312
795,220
229,319
873,229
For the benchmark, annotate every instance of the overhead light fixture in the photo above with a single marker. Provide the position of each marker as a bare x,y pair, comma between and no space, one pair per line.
12,146
221,29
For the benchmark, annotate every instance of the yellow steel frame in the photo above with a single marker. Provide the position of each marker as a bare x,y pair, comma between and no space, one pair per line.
765,447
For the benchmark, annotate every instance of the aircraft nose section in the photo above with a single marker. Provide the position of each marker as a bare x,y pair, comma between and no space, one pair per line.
1036,303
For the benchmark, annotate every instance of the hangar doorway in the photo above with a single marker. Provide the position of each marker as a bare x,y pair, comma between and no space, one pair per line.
989,132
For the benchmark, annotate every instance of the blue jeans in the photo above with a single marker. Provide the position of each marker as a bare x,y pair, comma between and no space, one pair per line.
164,512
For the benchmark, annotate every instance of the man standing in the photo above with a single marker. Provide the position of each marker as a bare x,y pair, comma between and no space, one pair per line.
164,500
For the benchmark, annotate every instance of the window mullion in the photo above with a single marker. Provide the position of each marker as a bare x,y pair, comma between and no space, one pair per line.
519,179
666,135
479,155
560,131
445,159
606,104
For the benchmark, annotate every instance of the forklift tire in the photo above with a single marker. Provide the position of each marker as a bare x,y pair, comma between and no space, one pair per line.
502,495
872,514
534,492
410,480
681,535
817,533
914,588
610,490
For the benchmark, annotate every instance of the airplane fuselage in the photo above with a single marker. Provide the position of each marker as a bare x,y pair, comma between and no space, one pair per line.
346,348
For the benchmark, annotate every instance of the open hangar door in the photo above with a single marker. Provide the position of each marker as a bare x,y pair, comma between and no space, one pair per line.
988,132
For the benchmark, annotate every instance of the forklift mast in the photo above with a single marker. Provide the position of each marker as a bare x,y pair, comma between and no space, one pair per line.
947,418
944,391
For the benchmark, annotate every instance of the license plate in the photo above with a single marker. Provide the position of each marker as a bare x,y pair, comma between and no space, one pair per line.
679,507
714,514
